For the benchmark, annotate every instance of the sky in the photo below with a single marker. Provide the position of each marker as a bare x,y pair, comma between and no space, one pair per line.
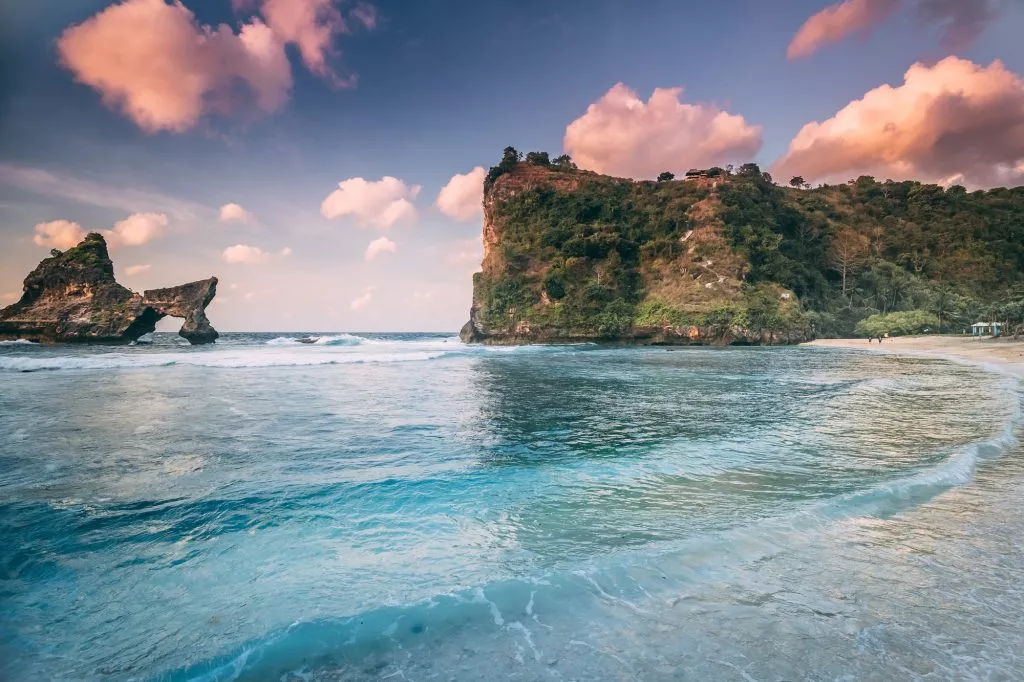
324,158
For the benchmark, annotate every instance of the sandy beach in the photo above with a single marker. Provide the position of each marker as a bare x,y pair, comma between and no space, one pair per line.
1006,352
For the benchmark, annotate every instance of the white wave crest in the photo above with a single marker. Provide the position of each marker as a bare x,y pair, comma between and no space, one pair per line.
313,340
339,340
220,359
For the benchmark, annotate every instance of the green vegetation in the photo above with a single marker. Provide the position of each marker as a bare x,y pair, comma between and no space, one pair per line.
586,255
876,247
898,324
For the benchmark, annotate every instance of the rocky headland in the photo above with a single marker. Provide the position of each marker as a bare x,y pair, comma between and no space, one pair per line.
729,256
72,297
573,256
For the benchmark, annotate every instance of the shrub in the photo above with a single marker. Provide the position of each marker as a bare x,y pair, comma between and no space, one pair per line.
554,283
655,313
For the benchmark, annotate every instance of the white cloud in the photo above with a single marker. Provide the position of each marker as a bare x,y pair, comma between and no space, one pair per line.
137,229
462,198
58,234
363,300
620,134
286,251
378,246
243,253
234,213
133,270
380,203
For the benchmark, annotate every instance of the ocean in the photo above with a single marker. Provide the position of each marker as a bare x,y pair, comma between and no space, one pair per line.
405,507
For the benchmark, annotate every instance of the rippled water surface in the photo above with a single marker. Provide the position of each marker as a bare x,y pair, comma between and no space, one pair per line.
406,507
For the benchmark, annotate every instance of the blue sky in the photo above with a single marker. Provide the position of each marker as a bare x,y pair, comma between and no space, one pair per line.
442,88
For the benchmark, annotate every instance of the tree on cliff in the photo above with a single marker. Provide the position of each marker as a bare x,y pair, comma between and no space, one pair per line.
796,181
666,177
749,170
538,159
848,250
510,157
563,162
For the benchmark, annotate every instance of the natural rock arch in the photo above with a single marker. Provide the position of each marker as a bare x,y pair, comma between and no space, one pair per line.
73,297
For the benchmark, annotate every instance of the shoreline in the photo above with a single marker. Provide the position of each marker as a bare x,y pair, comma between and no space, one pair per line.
1007,353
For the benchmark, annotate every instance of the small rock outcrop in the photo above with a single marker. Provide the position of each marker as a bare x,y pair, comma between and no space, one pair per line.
72,297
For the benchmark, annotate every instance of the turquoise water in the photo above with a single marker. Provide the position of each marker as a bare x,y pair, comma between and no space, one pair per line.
406,507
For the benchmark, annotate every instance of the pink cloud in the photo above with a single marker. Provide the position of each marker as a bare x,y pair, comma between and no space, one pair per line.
243,253
462,198
58,234
620,134
312,26
233,212
137,229
380,203
836,22
379,246
961,21
954,122
155,63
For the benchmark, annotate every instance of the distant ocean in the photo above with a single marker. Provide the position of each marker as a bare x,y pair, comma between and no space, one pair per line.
405,507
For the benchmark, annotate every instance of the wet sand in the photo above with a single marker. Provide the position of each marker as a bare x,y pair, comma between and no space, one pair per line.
1006,352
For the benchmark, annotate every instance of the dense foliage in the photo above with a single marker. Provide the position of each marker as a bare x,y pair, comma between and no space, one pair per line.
901,245
898,324
585,259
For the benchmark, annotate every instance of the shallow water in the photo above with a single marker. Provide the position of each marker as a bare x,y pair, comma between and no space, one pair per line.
406,507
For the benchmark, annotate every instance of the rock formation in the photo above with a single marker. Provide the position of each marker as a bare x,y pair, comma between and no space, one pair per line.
574,256
72,297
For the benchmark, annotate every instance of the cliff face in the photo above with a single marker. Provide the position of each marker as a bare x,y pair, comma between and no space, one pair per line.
73,297
575,256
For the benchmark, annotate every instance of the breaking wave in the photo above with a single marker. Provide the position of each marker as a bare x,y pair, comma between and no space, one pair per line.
314,340
214,360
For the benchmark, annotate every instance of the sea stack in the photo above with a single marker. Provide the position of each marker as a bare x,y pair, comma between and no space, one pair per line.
72,297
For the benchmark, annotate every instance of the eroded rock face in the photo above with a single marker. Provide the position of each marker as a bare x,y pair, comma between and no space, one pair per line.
188,301
72,297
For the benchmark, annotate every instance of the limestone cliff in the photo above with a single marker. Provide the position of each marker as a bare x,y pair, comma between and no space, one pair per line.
73,297
571,256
